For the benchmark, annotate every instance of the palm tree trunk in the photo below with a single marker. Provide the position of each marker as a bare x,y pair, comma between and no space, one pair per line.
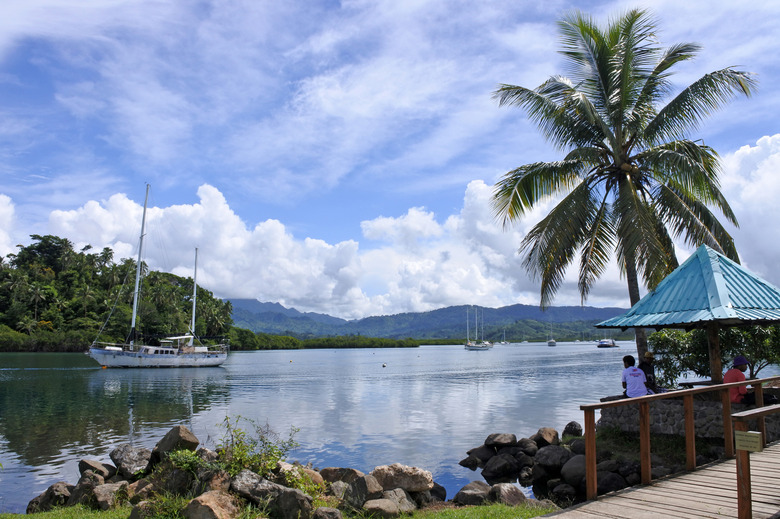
633,294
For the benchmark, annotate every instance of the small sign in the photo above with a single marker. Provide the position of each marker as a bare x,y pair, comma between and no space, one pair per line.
748,441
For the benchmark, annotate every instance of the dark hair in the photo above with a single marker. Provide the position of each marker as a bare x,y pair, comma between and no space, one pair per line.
629,360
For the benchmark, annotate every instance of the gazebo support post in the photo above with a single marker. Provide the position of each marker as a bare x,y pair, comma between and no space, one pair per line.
716,367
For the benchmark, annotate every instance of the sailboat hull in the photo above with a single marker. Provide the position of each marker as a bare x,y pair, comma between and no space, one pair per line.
152,357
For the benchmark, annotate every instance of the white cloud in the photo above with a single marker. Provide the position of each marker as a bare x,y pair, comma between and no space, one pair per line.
6,224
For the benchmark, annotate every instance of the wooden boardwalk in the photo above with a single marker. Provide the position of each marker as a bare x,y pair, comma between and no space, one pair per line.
709,491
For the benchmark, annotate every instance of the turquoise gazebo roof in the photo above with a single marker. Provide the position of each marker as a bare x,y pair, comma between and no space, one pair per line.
707,288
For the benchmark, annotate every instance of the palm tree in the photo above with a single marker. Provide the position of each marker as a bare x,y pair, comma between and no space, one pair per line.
631,180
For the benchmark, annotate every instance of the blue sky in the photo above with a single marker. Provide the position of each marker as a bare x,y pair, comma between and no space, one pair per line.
334,157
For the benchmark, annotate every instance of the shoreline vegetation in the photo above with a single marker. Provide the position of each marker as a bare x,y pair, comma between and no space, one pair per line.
56,299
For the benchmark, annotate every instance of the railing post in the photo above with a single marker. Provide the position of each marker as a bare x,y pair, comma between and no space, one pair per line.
644,442
728,431
761,425
591,485
744,499
690,433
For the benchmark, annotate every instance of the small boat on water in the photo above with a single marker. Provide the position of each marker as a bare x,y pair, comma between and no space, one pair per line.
550,341
171,352
476,345
607,343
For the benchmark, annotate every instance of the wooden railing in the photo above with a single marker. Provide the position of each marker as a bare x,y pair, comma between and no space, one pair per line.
744,491
591,484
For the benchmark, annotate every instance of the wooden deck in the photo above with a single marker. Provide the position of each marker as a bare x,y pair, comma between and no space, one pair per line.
709,491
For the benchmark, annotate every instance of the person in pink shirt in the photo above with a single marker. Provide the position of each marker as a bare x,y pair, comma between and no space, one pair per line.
739,395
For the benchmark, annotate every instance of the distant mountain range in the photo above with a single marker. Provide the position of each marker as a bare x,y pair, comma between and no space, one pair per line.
517,322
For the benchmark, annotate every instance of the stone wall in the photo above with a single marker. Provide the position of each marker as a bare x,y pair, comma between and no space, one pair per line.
667,417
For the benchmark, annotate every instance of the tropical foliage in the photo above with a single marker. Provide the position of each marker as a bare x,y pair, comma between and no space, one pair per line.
632,181
678,353
55,298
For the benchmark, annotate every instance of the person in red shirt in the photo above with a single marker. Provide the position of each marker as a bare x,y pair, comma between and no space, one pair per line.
739,395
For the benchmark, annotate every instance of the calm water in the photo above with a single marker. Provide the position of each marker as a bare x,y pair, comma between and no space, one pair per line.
426,408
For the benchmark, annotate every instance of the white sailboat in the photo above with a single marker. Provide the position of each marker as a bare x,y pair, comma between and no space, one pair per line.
550,340
172,352
475,345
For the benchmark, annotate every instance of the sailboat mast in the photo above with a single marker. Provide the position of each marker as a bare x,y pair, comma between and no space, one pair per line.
137,291
194,295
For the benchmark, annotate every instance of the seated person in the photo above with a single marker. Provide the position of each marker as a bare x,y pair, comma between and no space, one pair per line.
646,365
741,395
633,378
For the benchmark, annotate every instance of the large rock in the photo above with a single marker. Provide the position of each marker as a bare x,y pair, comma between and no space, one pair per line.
402,498
475,493
609,482
84,491
56,495
573,472
178,438
333,474
102,469
546,436
470,462
507,494
129,460
528,446
361,490
141,490
106,495
502,468
215,504
438,492
483,453
282,501
411,479
500,440
552,458
381,508
325,512
572,429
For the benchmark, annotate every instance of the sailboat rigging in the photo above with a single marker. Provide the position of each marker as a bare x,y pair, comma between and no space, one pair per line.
178,351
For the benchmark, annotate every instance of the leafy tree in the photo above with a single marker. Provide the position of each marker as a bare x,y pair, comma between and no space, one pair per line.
631,180
678,352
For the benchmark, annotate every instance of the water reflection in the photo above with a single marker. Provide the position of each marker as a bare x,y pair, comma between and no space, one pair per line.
427,407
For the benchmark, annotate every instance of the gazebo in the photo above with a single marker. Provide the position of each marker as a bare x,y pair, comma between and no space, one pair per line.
707,291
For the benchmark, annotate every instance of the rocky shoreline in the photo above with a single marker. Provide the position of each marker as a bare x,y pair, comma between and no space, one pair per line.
136,475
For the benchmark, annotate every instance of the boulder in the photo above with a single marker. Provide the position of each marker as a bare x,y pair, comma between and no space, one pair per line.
500,440
130,460
215,504
609,482
178,438
402,499
475,493
56,495
106,495
501,468
361,490
338,489
564,492
528,446
141,490
331,474
577,446
470,462
507,494
325,512
552,458
411,479
546,436
381,508
524,460
438,492
84,491
281,501
482,453
573,471
572,429
102,469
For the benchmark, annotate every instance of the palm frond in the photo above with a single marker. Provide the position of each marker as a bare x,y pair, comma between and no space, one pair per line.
520,189
597,249
699,100
553,243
